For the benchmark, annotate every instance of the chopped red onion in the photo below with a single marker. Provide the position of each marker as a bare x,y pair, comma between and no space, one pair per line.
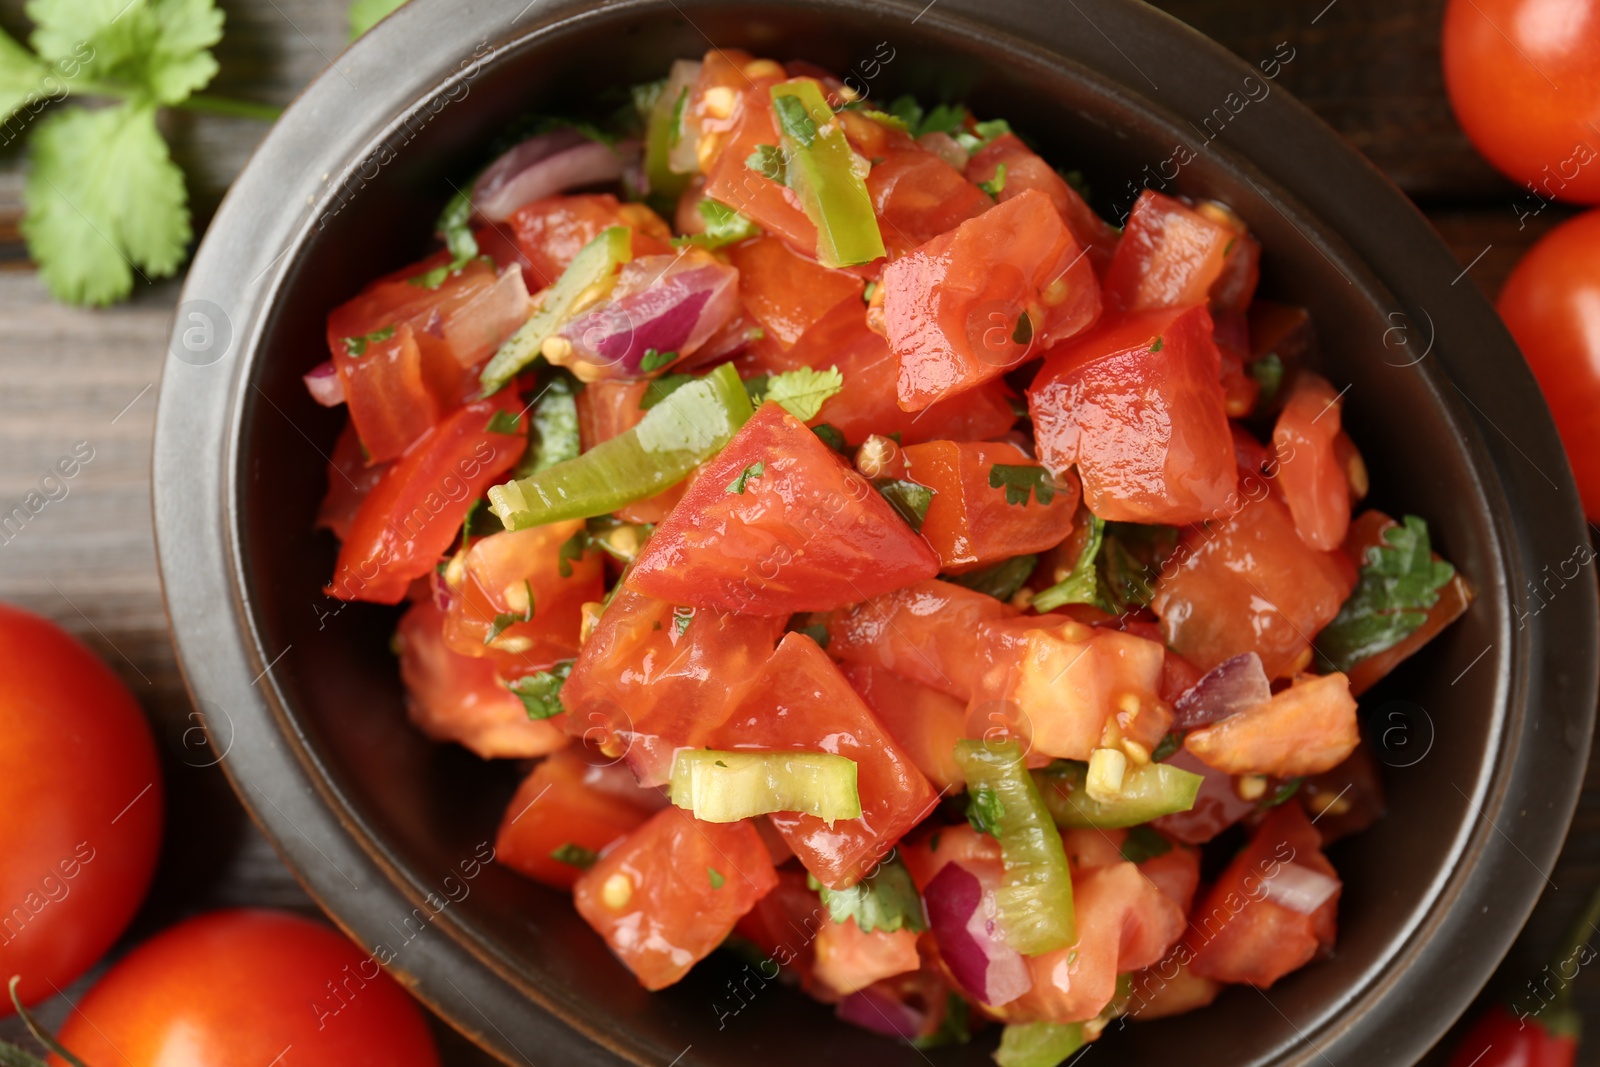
945,147
661,304
963,916
1300,889
324,384
478,326
1230,687
546,165
874,1009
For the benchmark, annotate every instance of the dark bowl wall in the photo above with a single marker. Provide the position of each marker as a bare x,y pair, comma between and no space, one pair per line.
415,814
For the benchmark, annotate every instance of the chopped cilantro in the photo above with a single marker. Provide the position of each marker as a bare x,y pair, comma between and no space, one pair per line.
356,347
754,470
1268,370
830,435
553,427
1156,345
910,499
953,1028
681,618
661,388
867,291
1019,479
1399,582
1082,586
802,391
675,131
886,900
817,632
717,881
724,226
1078,182
653,360
996,185
1000,580
1282,793
985,810
794,121
1130,558
944,118
767,161
1168,746
575,856
755,388
1143,843
983,133
572,549
1023,334
541,691
504,422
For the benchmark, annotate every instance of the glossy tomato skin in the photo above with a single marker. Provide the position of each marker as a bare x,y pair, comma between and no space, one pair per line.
807,533
923,721
1523,83
1026,170
550,232
570,799
1137,407
1174,255
412,515
972,523
802,703
1309,472
917,195
730,181
1551,304
654,900
451,697
787,292
82,793
643,686
953,307
350,479
250,986
924,632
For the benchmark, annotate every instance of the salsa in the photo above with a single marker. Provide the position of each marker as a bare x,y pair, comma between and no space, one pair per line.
897,571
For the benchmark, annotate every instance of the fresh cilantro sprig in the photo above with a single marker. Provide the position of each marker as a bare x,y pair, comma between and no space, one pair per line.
1000,580
1019,480
985,810
886,900
1082,585
724,226
541,691
802,391
1399,583
104,200
910,499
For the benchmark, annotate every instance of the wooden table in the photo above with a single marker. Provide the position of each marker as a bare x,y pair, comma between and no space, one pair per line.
1369,67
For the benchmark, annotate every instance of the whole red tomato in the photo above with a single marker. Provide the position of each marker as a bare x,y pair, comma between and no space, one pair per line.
80,806
248,987
1525,85
1551,303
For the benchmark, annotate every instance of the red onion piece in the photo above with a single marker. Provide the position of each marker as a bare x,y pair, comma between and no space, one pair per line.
476,327
684,156
1230,687
1216,807
667,303
963,917
945,147
1300,889
324,384
546,165
874,1009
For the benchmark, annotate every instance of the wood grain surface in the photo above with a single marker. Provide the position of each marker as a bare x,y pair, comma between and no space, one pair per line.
1368,67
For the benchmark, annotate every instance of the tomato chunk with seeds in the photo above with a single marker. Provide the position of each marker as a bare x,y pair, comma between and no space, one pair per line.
1239,933
1310,473
671,891
918,196
550,232
775,524
974,302
1136,406
1174,255
1026,170
923,632
730,179
801,702
784,925
1307,728
653,678
921,719
569,800
786,292
849,959
412,515
451,697
1248,583
971,521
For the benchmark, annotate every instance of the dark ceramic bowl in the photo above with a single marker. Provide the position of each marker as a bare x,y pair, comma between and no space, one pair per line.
1484,732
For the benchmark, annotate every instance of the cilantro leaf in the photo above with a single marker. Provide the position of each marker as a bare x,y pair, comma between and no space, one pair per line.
1000,580
1168,746
1143,843
1017,480
654,360
1281,794
910,499
944,118
996,185
356,347
1082,586
767,160
716,877
681,618
985,810
158,46
953,1026
817,631
22,76
575,856
553,427
104,198
803,391
507,619
1399,582
504,422
454,227
724,226
830,435
794,121
541,691
1023,334
571,550
982,134
1130,559
365,14
754,470
1268,370
886,899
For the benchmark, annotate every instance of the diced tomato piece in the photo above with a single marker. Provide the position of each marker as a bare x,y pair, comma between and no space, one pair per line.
787,292
1308,728
1170,988
801,702
918,196
953,308
730,180
569,800
923,632
971,522
350,479
1454,599
1176,872
785,924
644,686
922,720
1217,806
413,514
384,391
713,106
607,408
849,960
1125,922
671,891
517,574
867,405
1173,255
451,697
1247,583
550,232
1310,474
1347,799
926,854
1238,933
807,533
1088,849
1137,407
1024,171
1178,675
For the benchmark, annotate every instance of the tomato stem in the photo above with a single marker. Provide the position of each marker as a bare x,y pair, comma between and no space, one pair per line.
39,1033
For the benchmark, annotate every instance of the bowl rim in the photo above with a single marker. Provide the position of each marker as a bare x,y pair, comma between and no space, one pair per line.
324,840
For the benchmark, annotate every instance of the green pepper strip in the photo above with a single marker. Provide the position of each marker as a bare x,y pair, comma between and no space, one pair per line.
1035,895
1148,792
673,438
1038,1044
594,264
822,171
665,184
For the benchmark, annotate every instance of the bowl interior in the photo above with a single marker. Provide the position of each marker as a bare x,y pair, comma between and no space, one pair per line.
424,808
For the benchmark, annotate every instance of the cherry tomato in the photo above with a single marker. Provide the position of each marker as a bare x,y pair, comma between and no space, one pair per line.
1551,303
1524,83
82,800
1500,1039
249,987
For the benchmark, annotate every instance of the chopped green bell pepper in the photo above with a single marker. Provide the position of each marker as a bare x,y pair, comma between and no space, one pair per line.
1038,1044
729,786
823,172
1148,792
